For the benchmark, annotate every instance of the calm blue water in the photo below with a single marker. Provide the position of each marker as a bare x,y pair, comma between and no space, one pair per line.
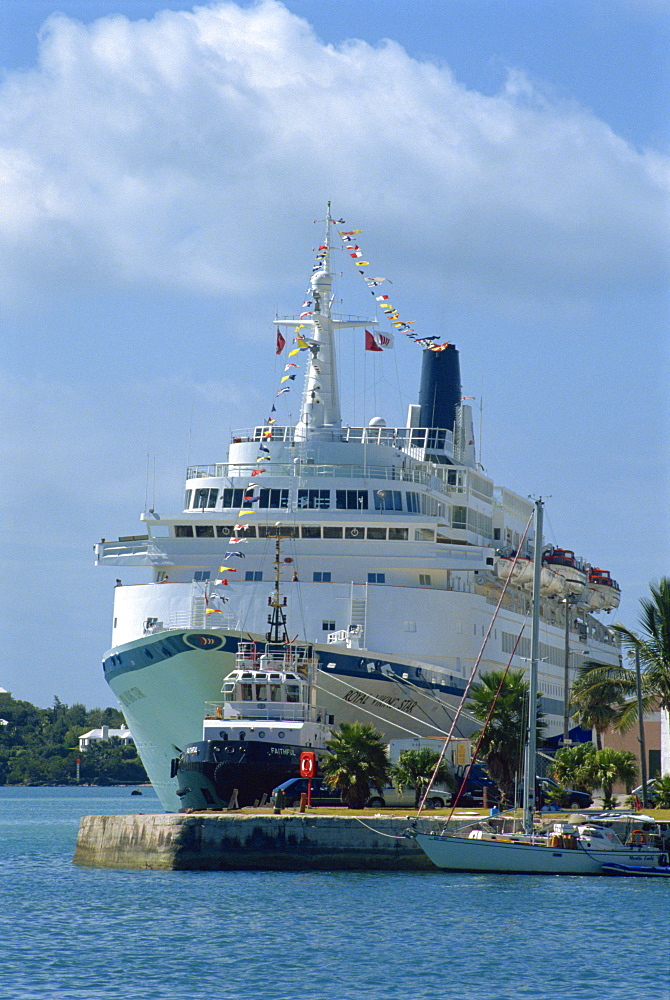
77,933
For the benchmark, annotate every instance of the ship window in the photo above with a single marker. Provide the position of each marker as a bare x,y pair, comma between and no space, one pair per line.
321,577
247,692
424,579
314,499
228,687
327,626
388,499
351,499
329,531
376,578
496,534
424,535
205,498
201,574
413,502
187,499
273,498
293,692
272,530
311,531
397,534
377,533
183,531
275,692
261,692
224,530
235,498
354,533
204,531
459,517
253,574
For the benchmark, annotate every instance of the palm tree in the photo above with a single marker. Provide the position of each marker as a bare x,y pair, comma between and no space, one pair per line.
416,768
357,758
596,703
612,765
573,766
616,686
653,642
503,740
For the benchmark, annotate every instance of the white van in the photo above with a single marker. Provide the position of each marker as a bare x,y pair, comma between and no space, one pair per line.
439,797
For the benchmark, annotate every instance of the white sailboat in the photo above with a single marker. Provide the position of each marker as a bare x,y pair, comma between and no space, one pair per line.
591,848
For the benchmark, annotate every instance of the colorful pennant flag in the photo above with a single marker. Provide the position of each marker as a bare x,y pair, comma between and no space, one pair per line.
281,342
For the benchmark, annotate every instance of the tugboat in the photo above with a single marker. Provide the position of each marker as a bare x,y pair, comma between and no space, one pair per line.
253,738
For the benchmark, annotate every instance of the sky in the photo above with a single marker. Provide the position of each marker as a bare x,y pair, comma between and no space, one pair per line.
163,166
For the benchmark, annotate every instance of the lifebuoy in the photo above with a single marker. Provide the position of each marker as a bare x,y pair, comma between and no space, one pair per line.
638,837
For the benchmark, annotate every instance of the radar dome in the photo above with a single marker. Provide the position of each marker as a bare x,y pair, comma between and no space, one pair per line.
377,422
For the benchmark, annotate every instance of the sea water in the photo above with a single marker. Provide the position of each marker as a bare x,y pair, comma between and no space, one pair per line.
83,933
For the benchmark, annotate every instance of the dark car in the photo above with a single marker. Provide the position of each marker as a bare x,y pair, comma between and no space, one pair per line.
321,794
574,798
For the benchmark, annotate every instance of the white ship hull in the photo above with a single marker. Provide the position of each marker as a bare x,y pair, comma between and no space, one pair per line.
464,855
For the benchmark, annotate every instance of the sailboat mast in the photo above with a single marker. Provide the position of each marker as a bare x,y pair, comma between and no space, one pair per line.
531,754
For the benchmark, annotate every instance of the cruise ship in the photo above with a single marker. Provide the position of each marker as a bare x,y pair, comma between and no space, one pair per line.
404,566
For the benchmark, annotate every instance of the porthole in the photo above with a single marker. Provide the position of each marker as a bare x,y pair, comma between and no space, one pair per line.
261,734
281,734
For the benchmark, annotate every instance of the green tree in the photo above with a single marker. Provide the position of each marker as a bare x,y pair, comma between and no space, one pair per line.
596,703
106,762
616,685
653,641
612,765
574,766
503,740
357,759
662,792
415,768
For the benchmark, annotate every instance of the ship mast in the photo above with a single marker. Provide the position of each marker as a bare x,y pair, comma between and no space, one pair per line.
277,618
320,415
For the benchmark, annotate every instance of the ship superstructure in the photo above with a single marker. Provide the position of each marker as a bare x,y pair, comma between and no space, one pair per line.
395,548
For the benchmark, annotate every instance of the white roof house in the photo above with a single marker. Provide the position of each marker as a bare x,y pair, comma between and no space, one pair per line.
104,733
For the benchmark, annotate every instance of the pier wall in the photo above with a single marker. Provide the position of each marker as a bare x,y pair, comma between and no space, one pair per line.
225,842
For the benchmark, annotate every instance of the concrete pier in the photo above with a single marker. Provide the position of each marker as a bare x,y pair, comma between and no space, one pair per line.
245,841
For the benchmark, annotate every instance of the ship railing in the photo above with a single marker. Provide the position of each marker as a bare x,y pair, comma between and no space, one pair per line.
283,710
305,470
432,439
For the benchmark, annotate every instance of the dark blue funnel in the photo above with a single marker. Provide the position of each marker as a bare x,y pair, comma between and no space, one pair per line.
440,391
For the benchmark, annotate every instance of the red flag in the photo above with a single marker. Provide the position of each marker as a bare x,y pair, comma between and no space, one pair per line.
370,342
281,343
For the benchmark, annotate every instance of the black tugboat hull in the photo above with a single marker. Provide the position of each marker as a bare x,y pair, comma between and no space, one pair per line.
210,772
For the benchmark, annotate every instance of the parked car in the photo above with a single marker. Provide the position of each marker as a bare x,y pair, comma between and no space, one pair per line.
321,794
439,797
651,791
576,799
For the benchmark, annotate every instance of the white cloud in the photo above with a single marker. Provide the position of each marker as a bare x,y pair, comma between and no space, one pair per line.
167,152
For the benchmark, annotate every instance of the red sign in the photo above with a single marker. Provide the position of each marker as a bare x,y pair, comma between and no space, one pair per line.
307,764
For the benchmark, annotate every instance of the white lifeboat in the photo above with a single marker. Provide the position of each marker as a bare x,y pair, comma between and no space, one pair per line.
573,571
552,584
602,592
